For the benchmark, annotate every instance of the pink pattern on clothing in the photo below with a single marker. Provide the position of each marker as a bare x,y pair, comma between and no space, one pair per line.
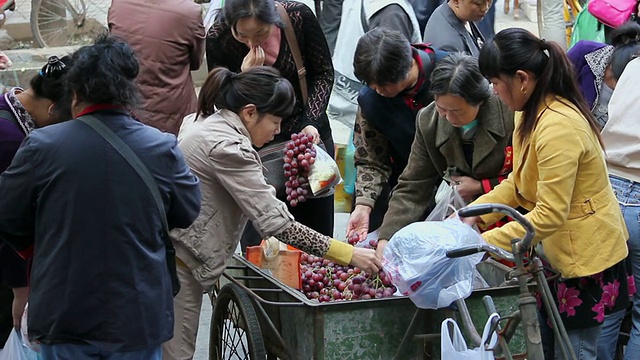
568,299
610,294
599,310
631,285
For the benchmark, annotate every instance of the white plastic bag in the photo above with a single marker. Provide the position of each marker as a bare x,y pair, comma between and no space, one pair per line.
447,198
453,346
15,350
416,260
324,174
24,331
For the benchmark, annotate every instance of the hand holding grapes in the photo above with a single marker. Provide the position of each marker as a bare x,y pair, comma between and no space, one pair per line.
358,225
299,155
311,130
366,259
380,247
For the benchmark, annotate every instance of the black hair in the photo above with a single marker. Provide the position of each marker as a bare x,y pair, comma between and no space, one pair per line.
382,57
51,83
516,49
626,42
104,73
261,86
263,10
458,74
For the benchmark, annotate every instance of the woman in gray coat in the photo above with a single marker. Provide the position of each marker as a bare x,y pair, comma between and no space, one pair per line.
452,26
464,135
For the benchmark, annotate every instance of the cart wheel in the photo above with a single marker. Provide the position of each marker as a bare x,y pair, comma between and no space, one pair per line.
235,329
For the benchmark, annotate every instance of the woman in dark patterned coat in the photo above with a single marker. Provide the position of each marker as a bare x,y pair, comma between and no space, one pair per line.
251,33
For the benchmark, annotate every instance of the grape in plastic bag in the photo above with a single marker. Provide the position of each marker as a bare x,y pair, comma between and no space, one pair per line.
324,174
416,260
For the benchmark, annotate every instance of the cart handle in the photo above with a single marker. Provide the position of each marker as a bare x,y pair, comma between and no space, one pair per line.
481,209
473,249
257,297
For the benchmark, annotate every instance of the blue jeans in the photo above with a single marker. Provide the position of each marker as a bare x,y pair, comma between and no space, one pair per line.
628,194
584,343
609,337
90,352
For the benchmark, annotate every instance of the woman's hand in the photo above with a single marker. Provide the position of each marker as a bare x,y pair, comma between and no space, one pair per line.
359,222
310,129
5,62
471,221
20,298
467,187
254,58
380,248
366,260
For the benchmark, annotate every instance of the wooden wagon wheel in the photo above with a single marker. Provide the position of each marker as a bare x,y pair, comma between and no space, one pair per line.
235,329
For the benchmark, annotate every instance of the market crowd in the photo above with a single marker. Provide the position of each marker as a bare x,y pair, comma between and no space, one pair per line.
123,194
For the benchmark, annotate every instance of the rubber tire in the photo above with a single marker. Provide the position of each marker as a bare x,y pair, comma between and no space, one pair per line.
37,36
233,293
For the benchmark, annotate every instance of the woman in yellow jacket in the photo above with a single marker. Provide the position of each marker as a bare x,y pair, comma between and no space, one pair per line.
560,177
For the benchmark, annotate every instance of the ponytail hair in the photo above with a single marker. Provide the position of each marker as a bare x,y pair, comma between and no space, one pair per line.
261,86
626,42
516,49
51,83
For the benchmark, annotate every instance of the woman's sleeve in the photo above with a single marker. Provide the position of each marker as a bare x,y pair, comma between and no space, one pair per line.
558,149
312,242
372,161
317,62
416,184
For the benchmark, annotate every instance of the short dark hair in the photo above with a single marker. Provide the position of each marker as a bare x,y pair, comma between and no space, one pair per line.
626,42
104,73
516,49
261,86
263,10
51,83
382,57
458,74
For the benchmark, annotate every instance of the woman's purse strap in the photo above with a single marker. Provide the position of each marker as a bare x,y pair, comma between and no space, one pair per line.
143,172
295,50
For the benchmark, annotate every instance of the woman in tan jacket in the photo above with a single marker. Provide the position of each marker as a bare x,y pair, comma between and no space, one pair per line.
559,176
218,146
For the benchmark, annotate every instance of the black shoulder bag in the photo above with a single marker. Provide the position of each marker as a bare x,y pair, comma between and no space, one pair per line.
148,179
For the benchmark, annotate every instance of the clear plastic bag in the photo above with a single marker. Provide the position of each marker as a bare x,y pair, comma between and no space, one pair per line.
324,174
15,350
453,346
24,331
416,260
447,199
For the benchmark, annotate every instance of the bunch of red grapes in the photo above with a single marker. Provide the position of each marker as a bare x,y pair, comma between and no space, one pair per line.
325,281
299,155
355,239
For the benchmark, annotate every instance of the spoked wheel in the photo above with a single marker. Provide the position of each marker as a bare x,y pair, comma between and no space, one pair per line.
235,329
64,22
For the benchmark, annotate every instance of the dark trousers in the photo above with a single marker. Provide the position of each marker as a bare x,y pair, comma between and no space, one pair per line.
486,26
315,213
330,21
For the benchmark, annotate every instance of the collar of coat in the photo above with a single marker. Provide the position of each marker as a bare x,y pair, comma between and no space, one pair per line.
490,128
233,119
472,45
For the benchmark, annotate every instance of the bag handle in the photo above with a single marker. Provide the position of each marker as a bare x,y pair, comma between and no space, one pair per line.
451,343
295,50
149,181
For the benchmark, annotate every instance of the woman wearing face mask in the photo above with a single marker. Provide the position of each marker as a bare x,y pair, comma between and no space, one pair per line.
467,129
251,33
218,146
43,103
599,66
559,177
452,26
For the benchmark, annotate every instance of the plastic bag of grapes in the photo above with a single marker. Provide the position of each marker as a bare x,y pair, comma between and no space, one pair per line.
416,260
324,174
